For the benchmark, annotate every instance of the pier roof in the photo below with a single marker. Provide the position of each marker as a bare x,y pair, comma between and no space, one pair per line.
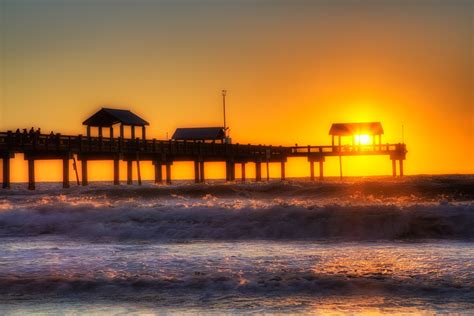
106,117
199,133
349,129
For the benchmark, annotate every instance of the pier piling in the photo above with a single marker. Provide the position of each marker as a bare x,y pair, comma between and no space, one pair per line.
201,171
6,171
242,167
84,172
196,172
31,174
282,172
66,172
129,172
116,172
258,171
168,173
158,172
321,170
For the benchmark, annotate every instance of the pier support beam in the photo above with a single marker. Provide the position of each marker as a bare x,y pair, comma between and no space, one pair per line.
196,172
282,172
258,171
116,172
6,172
243,171
394,168
168,173
401,167
321,170
311,168
84,172
129,172
201,171
230,170
31,174
66,173
158,172
139,174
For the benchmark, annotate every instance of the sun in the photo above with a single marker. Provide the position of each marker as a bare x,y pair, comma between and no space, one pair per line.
362,139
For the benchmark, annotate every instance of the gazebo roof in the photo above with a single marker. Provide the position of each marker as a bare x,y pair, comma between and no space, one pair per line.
106,117
199,133
349,129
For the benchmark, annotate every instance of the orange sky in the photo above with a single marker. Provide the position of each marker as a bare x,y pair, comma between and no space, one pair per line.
291,68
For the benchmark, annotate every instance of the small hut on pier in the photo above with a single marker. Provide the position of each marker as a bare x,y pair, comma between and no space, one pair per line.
356,130
200,134
107,117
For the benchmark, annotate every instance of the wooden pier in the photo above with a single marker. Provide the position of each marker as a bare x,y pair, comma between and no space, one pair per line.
164,153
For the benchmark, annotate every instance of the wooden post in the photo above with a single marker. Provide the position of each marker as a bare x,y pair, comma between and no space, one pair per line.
139,175
401,167
101,141
196,171
243,171
158,172
31,174
88,131
6,171
168,173
66,172
394,168
143,132
268,171
121,131
311,168
258,171
282,173
116,172
84,172
129,172
340,166
74,165
201,171
133,131
321,170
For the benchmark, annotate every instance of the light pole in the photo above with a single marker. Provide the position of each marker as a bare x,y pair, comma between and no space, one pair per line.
224,93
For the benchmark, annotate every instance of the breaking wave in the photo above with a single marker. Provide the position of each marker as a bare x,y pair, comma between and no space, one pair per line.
281,221
267,284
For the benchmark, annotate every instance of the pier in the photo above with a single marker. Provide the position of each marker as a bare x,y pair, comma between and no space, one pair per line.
163,153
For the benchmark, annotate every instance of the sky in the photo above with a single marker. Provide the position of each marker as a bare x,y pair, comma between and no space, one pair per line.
291,68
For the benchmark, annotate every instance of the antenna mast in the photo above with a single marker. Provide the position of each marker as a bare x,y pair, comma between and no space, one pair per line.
224,93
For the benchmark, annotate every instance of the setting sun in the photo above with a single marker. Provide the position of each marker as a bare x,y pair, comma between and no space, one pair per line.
362,139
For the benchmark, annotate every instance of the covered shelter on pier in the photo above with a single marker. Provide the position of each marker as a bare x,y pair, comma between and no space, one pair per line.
354,130
202,134
107,117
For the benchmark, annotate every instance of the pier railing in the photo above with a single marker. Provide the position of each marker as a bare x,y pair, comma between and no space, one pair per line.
349,150
43,143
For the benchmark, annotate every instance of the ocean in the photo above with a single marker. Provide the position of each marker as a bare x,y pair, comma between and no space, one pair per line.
363,245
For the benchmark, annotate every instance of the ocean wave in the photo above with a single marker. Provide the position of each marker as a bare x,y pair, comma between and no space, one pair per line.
415,188
281,221
290,282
